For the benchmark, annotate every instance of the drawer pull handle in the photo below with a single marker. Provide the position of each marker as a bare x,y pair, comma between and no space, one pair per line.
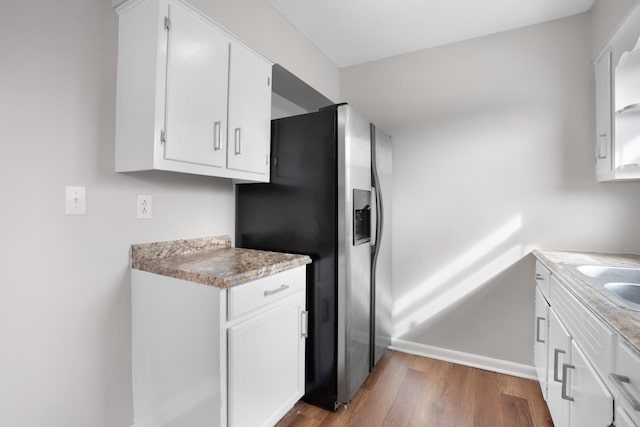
275,291
539,276
565,369
556,352
620,381
538,319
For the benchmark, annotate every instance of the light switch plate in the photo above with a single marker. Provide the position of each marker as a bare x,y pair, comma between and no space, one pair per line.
75,200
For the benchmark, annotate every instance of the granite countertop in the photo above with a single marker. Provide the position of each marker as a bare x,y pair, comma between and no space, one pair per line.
211,261
621,319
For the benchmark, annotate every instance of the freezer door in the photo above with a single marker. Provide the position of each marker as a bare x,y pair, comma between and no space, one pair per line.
381,255
354,255
297,213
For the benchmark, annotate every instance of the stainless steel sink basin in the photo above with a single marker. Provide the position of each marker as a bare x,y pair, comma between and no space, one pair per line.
610,274
620,284
627,291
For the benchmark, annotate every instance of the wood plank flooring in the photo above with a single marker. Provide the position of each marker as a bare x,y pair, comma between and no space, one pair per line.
408,390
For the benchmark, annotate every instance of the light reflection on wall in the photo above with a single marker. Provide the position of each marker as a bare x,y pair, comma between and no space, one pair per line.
431,297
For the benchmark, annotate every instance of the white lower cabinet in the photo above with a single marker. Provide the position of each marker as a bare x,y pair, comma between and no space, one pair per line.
205,356
623,419
559,355
577,395
626,386
591,403
541,342
266,364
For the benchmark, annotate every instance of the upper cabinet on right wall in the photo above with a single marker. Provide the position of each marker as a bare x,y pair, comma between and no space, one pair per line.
617,74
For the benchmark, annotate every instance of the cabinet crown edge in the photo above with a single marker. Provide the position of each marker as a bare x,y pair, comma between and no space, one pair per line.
122,6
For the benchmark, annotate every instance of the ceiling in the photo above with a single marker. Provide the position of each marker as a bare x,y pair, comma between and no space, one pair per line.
355,31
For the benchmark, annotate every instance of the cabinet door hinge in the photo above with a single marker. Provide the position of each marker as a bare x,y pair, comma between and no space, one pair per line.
163,137
268,81
167,23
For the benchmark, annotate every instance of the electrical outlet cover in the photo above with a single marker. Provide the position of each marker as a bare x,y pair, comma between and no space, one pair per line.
143,206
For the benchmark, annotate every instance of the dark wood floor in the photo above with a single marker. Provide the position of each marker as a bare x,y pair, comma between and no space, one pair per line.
408,390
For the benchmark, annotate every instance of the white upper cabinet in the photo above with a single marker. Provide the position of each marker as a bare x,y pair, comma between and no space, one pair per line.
617,73
249,111
191,98
604,157
196,94
627,111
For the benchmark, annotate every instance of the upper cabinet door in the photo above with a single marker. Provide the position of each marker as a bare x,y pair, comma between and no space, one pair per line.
604,158
249,111
196,92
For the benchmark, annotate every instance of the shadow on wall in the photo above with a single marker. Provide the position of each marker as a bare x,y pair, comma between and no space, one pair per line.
117,318
478,289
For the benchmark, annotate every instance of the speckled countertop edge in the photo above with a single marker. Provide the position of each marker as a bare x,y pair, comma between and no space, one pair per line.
211,261
624,321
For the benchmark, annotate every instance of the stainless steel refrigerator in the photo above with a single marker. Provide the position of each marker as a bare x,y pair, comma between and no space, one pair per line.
330,198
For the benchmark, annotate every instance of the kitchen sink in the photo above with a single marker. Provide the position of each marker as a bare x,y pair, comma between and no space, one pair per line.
620,284
610,274
626,291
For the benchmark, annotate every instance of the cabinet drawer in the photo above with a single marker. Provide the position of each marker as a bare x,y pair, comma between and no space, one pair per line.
542,279
628,365
595,338
258,293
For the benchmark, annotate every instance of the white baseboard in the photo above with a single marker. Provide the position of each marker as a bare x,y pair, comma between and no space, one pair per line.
466,359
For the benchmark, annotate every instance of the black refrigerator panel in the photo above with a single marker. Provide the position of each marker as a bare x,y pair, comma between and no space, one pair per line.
297,212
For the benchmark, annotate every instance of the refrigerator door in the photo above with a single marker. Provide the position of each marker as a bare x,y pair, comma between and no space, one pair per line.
354,255
297,213
381,171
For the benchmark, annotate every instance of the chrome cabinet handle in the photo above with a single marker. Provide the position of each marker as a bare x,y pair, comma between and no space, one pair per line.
275,291
538,319
216,136
556,352
539,276
620,381
304,318
238,141
565,369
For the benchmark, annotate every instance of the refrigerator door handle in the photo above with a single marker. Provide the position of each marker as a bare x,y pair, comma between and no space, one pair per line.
373,220
377,221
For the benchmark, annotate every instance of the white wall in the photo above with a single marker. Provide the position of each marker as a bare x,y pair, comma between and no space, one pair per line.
493,153
65,353
606,15
282,107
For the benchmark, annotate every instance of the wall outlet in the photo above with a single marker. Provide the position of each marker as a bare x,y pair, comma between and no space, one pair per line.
143,206
75,200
